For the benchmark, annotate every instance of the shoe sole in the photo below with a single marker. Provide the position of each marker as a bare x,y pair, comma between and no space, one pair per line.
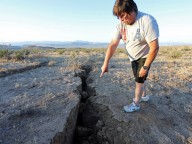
130,111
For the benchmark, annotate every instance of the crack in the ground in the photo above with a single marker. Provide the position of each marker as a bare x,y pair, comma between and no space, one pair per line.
89,122
20,70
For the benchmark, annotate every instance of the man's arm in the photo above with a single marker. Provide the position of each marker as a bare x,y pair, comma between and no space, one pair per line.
110,51
154,48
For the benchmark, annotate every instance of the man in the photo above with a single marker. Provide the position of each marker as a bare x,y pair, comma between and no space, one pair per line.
139,31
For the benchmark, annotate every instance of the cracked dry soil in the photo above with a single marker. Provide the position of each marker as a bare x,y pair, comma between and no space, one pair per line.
165,119
52,105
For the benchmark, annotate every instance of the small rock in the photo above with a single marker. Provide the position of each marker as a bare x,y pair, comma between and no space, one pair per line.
100,137
119,129
91,138
84,95
99,125
189,140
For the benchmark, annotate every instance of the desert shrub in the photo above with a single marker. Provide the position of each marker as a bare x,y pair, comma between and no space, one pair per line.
176,54
60,51
73,60
163,52
100,50
51,63
35,51
25,53
186,48
21,54
18,55
86,50
4,54
121,50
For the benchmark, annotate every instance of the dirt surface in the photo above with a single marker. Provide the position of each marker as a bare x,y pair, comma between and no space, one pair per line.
165,119
38,105
65,101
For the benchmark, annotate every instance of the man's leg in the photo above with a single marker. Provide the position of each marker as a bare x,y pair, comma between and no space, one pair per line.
134,106
144,89
139,88
139,91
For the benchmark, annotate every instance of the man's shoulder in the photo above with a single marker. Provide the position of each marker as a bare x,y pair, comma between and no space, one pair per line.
144,17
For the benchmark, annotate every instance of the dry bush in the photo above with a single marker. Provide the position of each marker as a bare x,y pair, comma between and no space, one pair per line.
176,54
186,48
51,63
17,55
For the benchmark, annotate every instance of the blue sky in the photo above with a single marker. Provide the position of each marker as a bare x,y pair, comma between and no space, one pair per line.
70,20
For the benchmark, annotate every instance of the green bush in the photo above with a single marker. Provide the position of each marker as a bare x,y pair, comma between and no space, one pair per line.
21,54
18,55
4,53
26,53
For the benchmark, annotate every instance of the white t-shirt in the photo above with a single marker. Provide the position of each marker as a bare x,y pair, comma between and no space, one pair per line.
137,36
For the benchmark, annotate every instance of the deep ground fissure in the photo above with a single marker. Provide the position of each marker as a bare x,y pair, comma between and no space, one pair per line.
88,122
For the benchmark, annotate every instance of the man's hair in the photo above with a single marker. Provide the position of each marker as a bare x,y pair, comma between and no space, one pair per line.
121,6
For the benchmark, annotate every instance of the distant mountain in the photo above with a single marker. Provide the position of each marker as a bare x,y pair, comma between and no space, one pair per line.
63,44
175,43
72,44
60,44
10,47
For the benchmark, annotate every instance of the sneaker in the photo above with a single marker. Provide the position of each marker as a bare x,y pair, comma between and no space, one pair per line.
131,108
144,99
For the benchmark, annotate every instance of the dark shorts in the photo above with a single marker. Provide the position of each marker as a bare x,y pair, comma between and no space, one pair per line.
136,66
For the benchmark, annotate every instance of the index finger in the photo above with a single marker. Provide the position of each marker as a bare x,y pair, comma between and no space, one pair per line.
101,74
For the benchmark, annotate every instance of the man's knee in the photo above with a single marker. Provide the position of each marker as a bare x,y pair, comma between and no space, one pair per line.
140,79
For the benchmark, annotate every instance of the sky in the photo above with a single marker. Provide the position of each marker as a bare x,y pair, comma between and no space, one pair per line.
71,20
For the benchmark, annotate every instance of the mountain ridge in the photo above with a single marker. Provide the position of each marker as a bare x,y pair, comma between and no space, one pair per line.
74,44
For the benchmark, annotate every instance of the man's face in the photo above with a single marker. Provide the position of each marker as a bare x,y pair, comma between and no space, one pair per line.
128,19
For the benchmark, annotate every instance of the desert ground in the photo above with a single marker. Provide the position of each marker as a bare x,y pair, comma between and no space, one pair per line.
56,96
